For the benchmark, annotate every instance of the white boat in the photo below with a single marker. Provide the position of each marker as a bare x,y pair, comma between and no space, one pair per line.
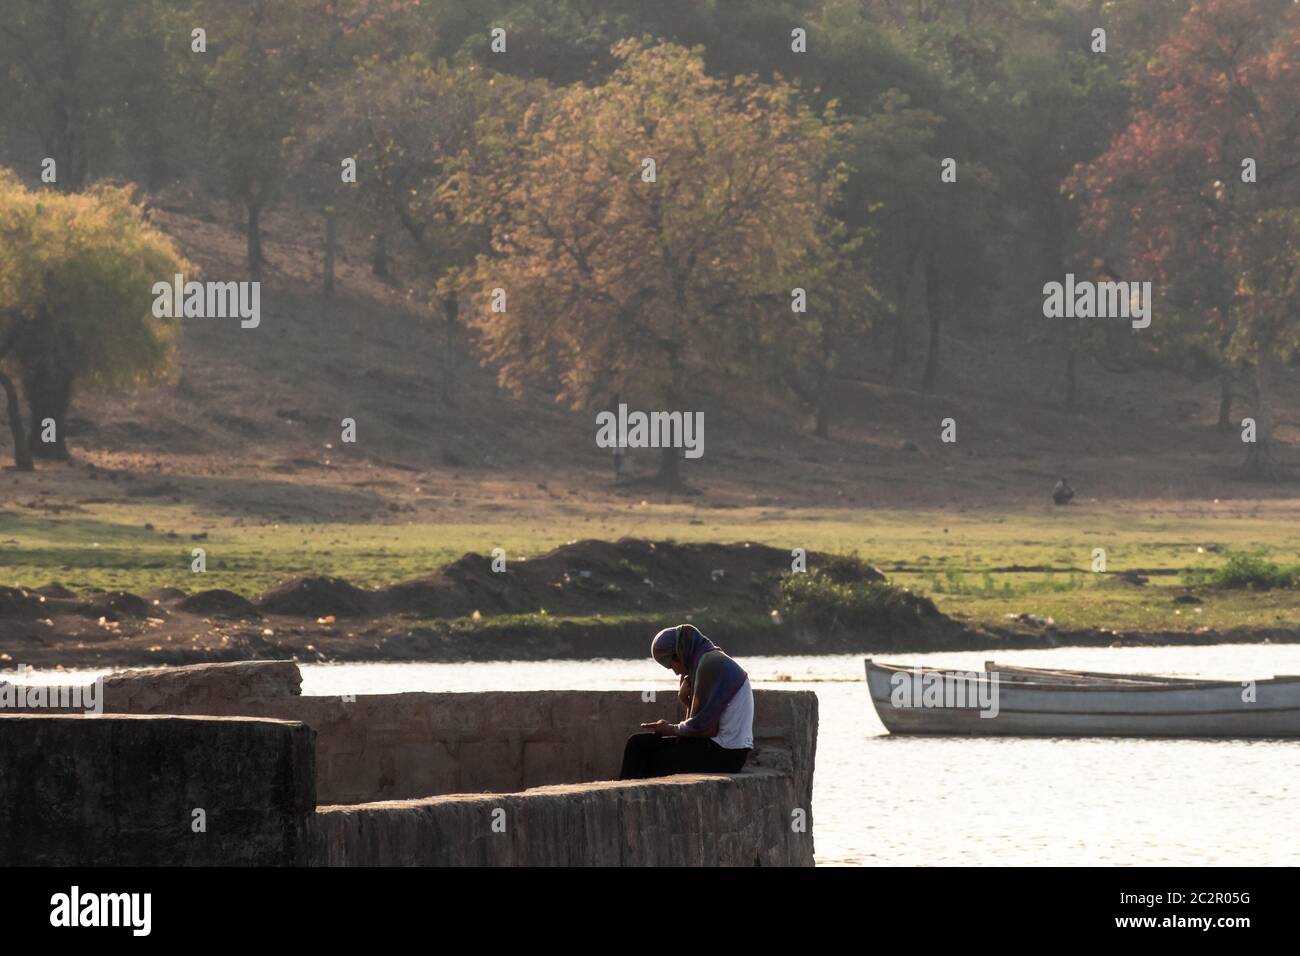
1031,701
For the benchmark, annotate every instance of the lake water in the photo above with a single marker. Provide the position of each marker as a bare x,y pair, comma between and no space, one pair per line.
882,800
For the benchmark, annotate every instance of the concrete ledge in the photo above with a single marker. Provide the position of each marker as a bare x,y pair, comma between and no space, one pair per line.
122,790
406,775
413,745
744,819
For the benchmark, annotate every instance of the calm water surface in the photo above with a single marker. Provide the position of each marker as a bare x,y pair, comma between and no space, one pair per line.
881,800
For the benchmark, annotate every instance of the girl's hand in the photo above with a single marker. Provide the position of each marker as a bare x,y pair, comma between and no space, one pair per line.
662,727
685,692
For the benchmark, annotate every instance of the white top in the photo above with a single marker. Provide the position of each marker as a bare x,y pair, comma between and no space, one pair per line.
736,726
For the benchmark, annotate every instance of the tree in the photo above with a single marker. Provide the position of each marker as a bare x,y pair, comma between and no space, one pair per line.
76,302
260,62
918,92
565,41
417,129
639,280
894,178
336,119
60,62
1057,118
810,347
1172,198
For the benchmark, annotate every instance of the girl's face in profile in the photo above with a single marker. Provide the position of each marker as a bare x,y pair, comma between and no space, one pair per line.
678,667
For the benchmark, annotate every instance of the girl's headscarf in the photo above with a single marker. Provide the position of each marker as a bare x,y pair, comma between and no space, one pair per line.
715,678
686,642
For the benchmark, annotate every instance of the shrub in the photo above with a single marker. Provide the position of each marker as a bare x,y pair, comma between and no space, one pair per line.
846,569
817,601
1255,573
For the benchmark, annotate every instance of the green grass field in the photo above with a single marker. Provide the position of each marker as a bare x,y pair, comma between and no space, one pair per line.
959,560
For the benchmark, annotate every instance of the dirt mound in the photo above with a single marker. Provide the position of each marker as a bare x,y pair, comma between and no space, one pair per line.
219,602
591,576
55,590
115,606
580,579
317,596
20,603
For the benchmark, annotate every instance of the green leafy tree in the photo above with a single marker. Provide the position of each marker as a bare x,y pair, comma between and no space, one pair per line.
76,302
260,64
915,96
1066,104
60,68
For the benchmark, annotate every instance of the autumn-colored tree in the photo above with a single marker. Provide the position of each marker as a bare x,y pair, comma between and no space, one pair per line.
1201,192
649,231
76,302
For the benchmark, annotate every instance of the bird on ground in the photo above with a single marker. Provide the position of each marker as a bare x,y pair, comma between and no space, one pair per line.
1062,493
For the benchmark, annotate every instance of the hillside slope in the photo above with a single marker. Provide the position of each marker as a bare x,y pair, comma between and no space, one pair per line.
253,420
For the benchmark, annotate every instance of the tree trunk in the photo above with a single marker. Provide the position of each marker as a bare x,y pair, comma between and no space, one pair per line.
1054,231
254,230
61,146
899,354
331,244
22,453
67,119
670,475
49,393
1225,399
934,311
156,170
379,263
931,373
451,315
1261,461
823,429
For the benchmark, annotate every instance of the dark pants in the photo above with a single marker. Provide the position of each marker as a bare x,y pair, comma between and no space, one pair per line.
649,755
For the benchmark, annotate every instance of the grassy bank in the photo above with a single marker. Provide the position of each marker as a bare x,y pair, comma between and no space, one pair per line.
977,566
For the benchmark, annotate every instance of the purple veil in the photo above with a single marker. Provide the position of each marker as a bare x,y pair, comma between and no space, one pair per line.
715,677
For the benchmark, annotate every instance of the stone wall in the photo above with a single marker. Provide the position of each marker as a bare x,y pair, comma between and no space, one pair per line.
122,790
744,819
411,778
401,746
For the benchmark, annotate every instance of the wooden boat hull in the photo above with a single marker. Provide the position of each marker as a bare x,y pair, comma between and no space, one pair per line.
1039,702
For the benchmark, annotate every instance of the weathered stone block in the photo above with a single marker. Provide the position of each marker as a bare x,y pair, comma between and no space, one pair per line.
122,790
199,688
